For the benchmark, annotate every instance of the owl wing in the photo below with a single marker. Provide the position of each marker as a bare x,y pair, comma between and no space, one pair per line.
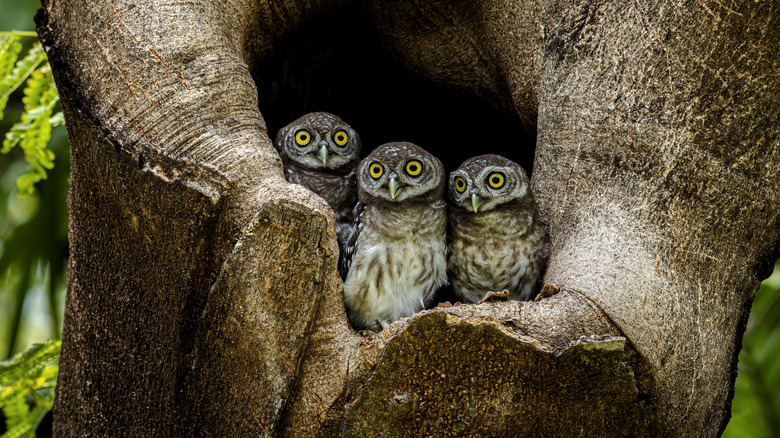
351,241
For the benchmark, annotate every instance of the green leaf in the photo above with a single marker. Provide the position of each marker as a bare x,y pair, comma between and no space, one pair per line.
57,119
10,47
33,132
21,377
22,364
755,409
21,71
15,411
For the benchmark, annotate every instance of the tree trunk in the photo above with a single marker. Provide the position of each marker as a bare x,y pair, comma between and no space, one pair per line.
203,293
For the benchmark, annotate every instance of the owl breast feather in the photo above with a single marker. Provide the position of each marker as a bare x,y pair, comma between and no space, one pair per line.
395,275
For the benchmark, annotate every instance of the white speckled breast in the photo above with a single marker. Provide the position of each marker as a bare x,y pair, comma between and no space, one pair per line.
399,263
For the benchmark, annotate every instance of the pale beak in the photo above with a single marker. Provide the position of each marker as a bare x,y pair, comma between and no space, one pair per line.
323,155
476,201
394,187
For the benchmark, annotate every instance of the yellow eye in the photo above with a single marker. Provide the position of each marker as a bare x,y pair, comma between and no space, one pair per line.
341,138
376,170
413,167
460,184
496,180
302,137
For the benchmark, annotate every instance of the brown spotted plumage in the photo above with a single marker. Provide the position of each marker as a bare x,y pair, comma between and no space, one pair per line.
395,259
496,241
321,152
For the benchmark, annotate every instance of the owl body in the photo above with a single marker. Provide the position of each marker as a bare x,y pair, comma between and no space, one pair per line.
486,256
339,191
397,255
321,152
501,245
400,262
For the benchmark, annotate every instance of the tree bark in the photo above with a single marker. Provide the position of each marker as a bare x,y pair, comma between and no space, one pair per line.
203,295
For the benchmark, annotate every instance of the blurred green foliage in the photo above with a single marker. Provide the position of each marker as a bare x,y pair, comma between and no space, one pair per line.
33,258
755,410
27,384
32,132
33,229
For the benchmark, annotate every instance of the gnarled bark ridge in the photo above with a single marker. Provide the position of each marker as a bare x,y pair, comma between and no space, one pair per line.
203,295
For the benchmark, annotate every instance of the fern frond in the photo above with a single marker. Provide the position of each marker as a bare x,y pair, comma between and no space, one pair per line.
28,374
20,421
21,33
57,119
29,362
21,71
10,47
15,410
22,431
33,132
27,429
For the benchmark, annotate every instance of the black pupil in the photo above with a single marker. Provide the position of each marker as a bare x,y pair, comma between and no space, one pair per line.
496,180
340,137
413,167
303,137
460,184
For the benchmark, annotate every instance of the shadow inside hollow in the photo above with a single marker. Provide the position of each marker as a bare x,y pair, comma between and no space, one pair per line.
336,63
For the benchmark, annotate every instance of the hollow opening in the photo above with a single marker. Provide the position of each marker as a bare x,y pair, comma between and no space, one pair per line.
335,63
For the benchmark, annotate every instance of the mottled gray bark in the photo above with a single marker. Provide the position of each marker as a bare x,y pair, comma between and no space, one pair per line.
203,294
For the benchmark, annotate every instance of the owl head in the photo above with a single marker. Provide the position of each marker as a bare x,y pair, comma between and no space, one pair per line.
398,172
319,141
484,182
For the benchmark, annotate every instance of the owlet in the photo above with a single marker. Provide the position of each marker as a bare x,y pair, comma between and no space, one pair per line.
396,257
321,152
496,241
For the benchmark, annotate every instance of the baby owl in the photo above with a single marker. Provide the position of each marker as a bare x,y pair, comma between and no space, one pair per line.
396,258
496,241
320,152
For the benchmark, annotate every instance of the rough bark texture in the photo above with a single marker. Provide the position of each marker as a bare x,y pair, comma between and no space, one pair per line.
203,294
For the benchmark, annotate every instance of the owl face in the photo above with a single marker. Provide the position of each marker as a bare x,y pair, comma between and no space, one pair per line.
319,141
482,183
400,171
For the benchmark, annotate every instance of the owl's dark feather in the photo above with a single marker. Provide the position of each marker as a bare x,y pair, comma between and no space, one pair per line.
321,165
352,233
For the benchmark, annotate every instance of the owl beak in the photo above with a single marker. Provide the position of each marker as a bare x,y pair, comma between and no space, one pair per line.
322,154
476,201
394,187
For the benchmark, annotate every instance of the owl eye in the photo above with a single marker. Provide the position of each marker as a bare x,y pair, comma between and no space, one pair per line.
413,167
460,184
302,137
376,170
341,138
496,180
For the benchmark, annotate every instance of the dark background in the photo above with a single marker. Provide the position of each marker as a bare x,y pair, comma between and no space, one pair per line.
336,64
